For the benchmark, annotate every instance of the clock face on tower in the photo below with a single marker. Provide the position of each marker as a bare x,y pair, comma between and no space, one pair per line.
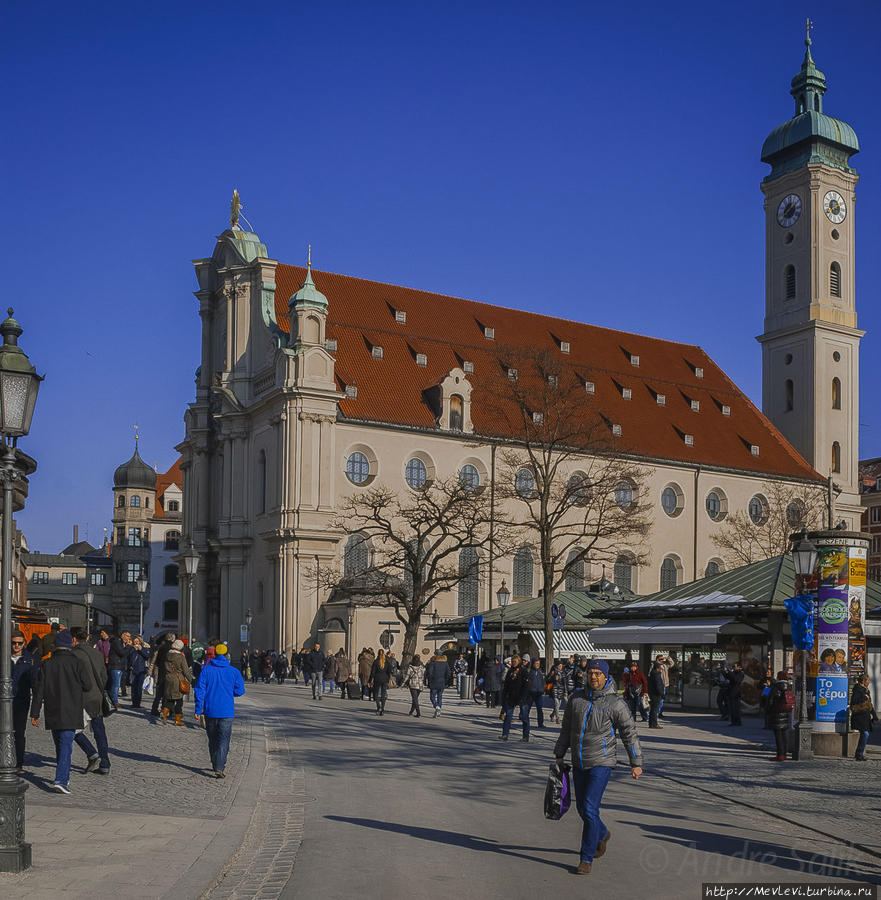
834,207
789,210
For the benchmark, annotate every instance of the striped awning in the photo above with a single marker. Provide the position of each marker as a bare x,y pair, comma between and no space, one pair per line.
566,642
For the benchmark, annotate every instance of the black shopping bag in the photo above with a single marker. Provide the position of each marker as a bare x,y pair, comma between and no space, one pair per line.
558,793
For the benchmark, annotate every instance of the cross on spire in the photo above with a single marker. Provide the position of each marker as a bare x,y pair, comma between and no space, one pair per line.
808,27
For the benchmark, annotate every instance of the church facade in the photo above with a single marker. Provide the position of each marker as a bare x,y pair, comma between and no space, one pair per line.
314,385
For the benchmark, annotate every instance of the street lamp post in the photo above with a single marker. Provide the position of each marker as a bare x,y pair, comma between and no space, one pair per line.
503,595
19,384
142,589
435,618
89,599
249,617
804,558
191,566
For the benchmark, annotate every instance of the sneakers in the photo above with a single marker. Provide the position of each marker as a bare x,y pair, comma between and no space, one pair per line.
524,739
583,868
61,788
503,737
104,770
601,846
436,712
220,774
92,764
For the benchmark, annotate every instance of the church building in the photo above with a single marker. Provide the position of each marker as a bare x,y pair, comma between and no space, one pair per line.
314,385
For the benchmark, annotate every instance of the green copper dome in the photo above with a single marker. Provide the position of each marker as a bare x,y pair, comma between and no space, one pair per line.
135,474
811,135
308,295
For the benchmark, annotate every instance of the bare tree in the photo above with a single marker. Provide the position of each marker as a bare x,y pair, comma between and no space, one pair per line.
763,530
413,545
574,489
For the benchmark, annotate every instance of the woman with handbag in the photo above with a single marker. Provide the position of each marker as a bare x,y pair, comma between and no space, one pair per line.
414,679
177,683
779,704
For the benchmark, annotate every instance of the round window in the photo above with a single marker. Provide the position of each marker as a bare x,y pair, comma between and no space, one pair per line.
357,468
624,494
469,477
670,501
836,356
524,483
415,473
715,506
758,510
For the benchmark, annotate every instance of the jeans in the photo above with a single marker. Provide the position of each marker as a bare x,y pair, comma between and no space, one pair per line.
459,681
316,687
158,691
654,705
113,681
634,704
414,701
437,697
861,746
509,715
19,726
331,682
380,694
100,735
734,706
661,705
590,785
219,732
138,689
63,751
525,709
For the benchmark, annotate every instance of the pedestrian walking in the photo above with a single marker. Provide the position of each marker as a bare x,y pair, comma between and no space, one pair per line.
724,692
177,683
62,683
559,681
591,724
314,665
735,682
667,666
138,657
535,691
460,668
344,680
636,685
24,680
492,681
579,676
329,673
656,693
778,711
514,690
862,714
438,676
218,686
255,661
281,667
380,676
97,757
365,665
156,668
414,679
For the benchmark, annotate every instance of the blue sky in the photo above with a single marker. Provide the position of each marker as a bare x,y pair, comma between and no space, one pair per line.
590,160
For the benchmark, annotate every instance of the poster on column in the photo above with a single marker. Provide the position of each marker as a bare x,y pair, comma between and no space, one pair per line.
832,699
830,649
856,608
832,654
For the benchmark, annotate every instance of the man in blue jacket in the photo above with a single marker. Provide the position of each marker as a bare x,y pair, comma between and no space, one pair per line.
215,692
593,719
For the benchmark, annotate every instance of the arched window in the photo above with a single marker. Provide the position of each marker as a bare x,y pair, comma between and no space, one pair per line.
135,501
469,581
836,393
169,610
836,456
714,567
788,392
624,494
523,566
355,555
575,571
623,572
170,574
669,574
758,510
456,407
835,279
261,481
469,477
172,540
524,484
415,473
789,282
121,500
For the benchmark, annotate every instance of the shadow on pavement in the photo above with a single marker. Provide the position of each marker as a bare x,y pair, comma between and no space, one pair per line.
455,839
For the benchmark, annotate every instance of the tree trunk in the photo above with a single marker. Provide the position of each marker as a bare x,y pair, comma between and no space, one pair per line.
547,591
411,636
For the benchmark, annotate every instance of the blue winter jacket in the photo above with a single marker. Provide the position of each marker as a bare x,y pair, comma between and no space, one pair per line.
218,684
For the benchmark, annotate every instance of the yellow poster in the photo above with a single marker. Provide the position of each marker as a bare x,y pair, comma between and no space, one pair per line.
857,566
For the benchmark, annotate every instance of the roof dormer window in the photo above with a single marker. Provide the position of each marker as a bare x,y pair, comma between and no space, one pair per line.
616,430
468,367
564,346
400,317
512,374
626,393
695,406
489,333
352,391
330,345
590,387
726,410
376,352
698,372
689,440
538,418
421,359
662,399
634,359
754,449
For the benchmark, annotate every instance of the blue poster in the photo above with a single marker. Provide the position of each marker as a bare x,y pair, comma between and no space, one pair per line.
832,698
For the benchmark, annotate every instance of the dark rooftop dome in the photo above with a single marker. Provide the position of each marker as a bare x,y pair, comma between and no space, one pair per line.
135,474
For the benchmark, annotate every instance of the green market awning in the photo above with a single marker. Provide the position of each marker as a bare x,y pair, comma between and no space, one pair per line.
577,642
669,631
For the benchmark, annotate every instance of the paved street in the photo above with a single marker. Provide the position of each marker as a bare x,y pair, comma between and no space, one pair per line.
324,799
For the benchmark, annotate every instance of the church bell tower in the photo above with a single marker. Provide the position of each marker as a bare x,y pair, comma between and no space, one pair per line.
810,345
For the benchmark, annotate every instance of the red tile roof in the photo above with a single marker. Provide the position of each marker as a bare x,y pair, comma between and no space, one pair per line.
163,482
450,330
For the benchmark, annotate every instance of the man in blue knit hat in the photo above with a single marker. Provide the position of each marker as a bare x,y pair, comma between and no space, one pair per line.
593,719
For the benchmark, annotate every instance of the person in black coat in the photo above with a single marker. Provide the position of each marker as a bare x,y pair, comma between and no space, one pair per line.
62,685
157,670
656,694
735,681
138,656
437,676
24,679
514,692
380,676
314,666
778,711
492,680
862,714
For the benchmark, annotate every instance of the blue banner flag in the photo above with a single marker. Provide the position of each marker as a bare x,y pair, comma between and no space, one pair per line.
475,629
801,620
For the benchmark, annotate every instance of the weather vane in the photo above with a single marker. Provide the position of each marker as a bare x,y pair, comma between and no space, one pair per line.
137,436
235,209
309,257
808,26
